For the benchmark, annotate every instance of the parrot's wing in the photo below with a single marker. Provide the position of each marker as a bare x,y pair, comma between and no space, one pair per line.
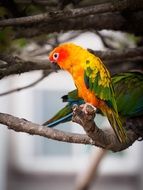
98,80
129,93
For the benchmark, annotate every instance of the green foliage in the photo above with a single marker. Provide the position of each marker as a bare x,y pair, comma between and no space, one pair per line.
5,38
21,43
133,38
7,43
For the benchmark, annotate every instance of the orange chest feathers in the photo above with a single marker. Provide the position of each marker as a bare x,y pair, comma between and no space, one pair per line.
83,91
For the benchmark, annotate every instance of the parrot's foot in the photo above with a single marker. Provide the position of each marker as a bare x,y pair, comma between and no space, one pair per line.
83,114
86,107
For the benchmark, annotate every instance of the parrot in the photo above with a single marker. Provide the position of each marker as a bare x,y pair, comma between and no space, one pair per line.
92,80
128,94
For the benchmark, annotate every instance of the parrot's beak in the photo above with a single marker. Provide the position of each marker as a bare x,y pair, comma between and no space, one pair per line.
54,66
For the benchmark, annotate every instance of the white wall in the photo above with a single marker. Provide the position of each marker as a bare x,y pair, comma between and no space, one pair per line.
4,103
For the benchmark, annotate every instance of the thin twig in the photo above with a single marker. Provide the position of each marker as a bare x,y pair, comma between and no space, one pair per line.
24,87
103,39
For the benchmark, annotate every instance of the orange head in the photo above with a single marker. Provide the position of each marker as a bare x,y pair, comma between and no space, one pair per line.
60,55
65,55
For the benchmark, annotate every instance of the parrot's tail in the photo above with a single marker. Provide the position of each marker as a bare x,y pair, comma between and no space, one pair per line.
116,123
64,115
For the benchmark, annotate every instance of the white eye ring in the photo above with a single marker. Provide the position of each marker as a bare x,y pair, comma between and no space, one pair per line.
55,56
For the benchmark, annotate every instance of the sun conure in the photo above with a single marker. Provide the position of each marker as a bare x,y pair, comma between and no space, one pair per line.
128,94
92,80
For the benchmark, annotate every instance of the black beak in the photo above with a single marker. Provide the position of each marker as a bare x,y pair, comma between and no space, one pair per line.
54,66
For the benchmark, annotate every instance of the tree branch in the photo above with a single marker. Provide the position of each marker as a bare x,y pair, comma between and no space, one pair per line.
102,138
120,55
22,125
109,21
16,65
72,13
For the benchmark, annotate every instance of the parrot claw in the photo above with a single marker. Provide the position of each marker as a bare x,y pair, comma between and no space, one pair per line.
87,108
83,113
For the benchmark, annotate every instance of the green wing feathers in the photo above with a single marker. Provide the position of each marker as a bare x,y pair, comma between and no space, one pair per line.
115,122
61,116
98,80
128,88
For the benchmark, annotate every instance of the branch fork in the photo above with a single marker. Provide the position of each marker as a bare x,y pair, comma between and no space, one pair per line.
103,138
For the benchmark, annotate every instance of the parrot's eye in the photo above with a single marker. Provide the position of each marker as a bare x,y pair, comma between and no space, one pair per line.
55,56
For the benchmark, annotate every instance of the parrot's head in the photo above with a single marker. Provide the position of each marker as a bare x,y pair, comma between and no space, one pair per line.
64,56
60,56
